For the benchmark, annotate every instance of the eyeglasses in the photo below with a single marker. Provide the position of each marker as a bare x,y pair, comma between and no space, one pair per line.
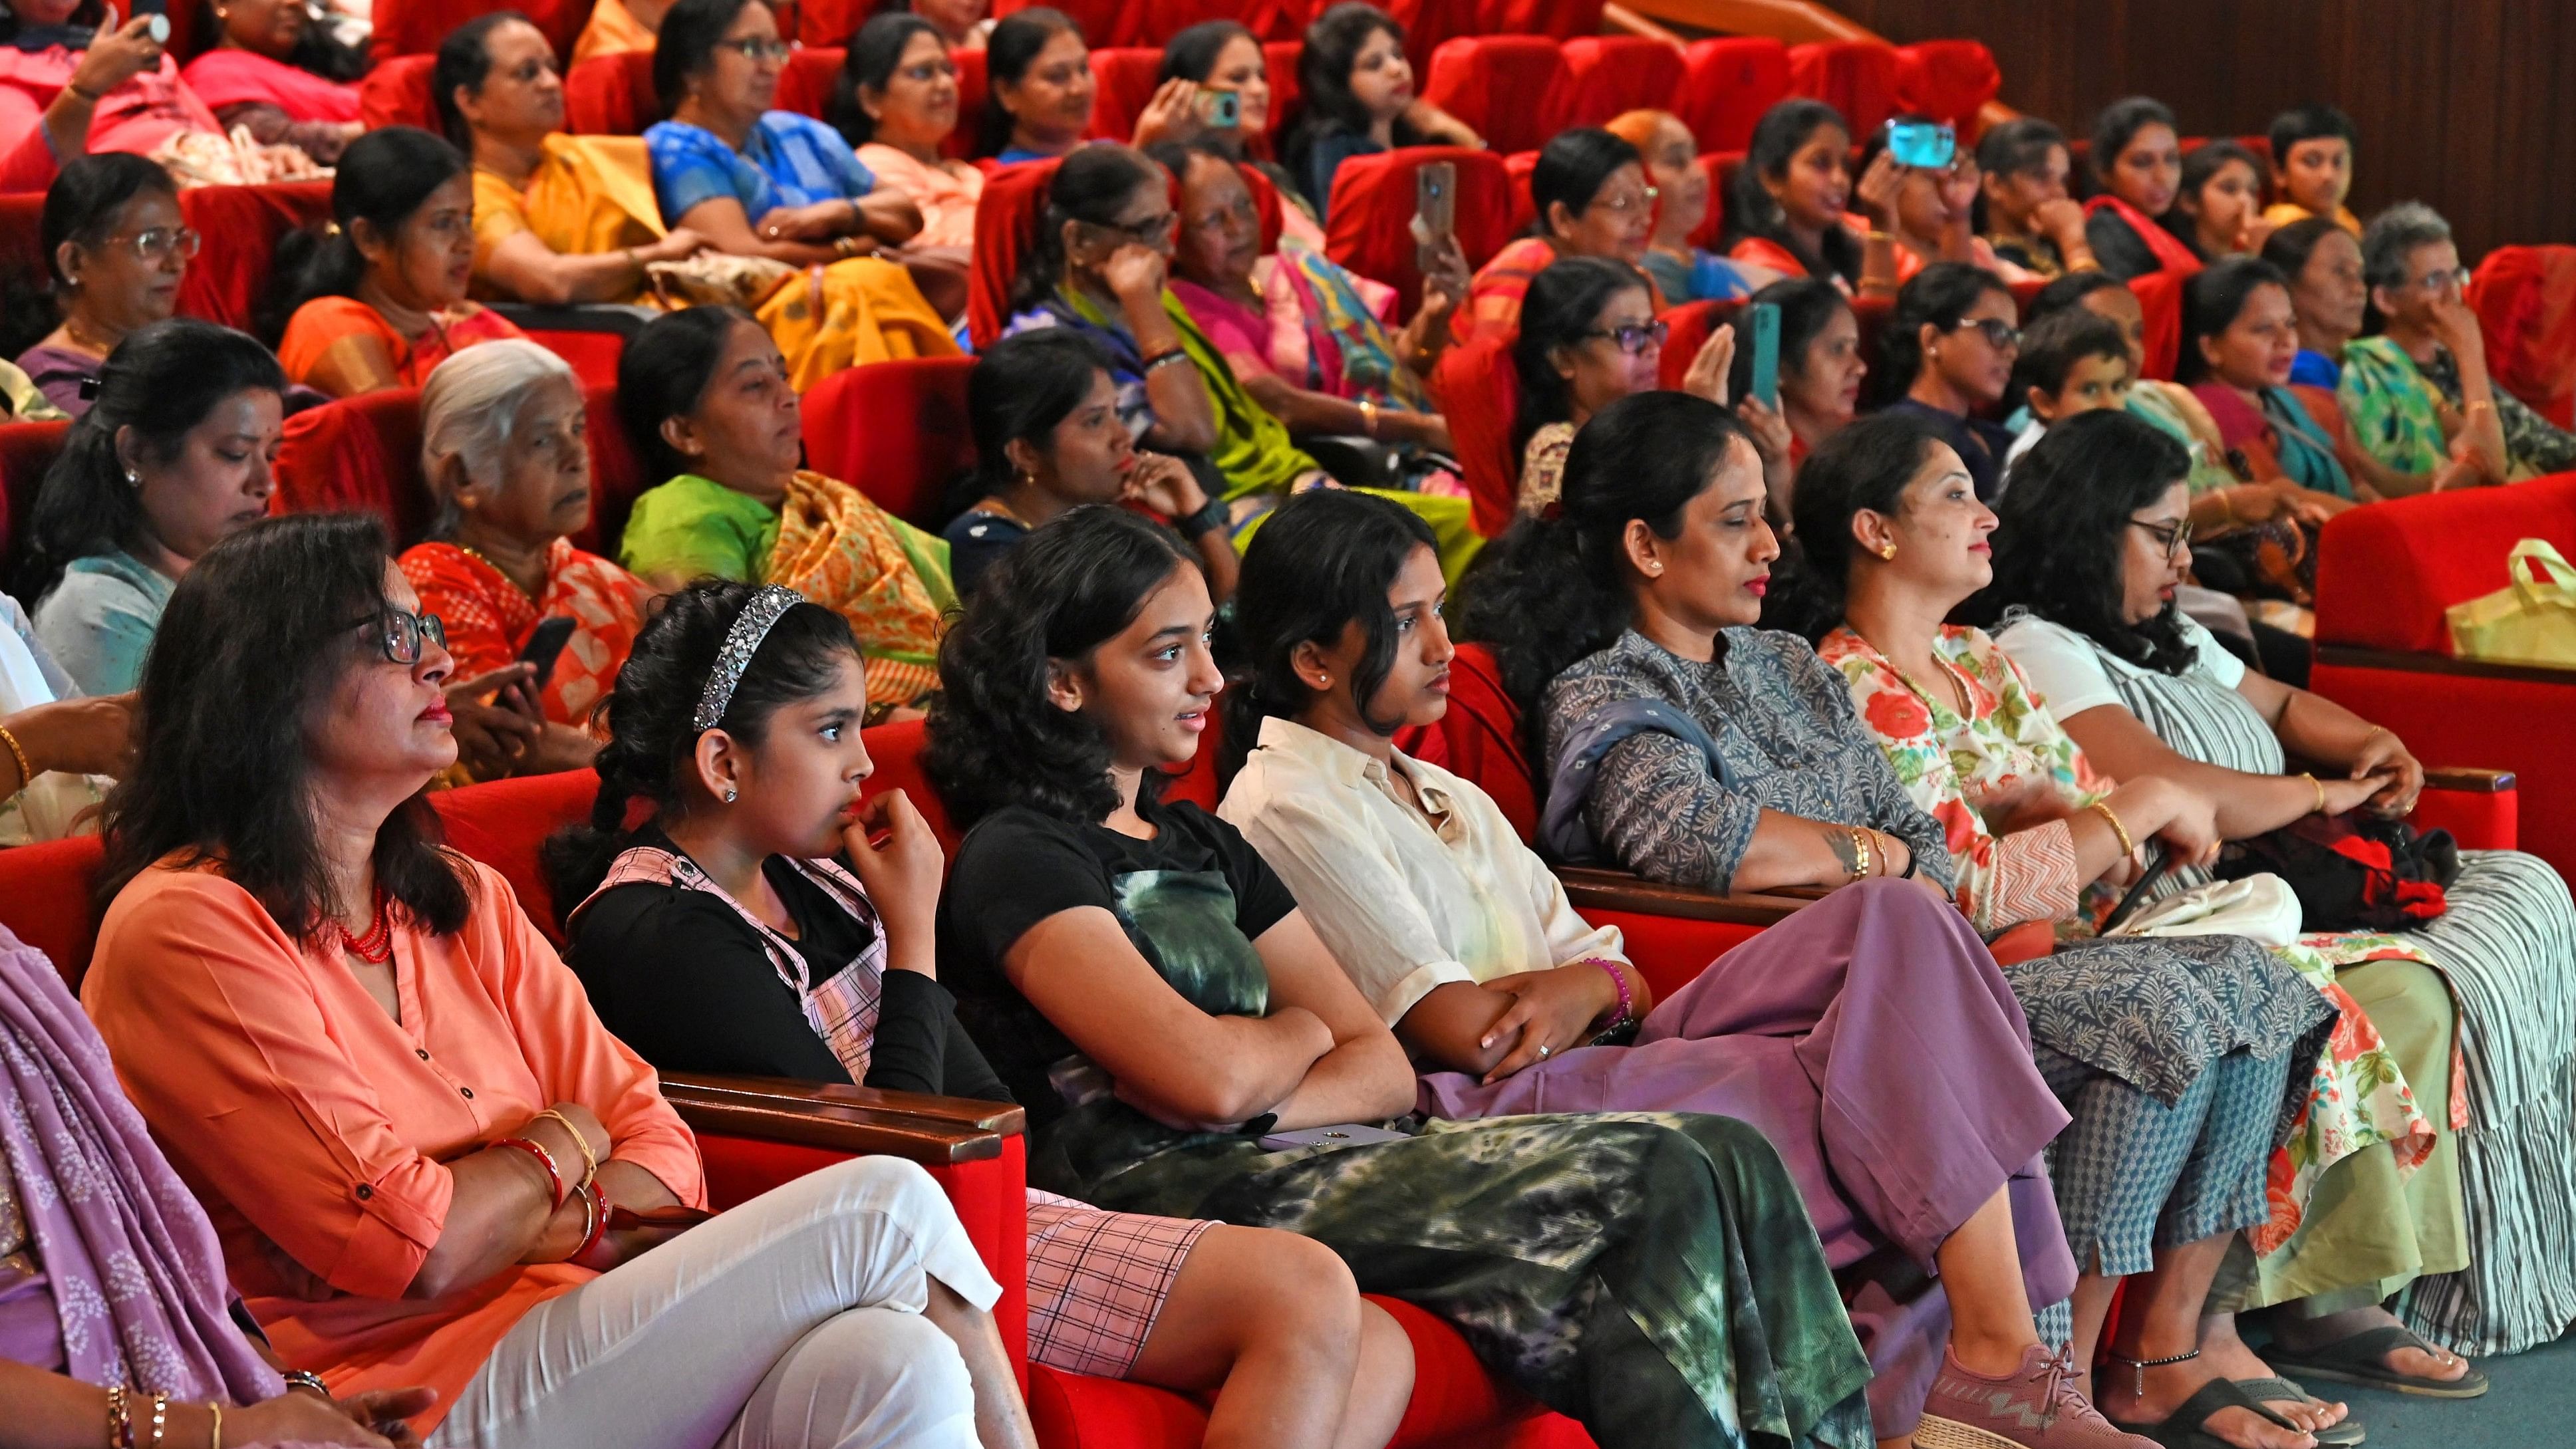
930,70
1634,337
2000,335
2174,536
755,49
1153,231
2457,277
1627,202
399,634
157,243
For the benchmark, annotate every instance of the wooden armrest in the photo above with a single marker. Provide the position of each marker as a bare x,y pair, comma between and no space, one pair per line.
2348,656
857,1120
617,318
2474,782
1617,890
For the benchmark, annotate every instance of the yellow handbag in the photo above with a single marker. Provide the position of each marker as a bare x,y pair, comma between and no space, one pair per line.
2531,622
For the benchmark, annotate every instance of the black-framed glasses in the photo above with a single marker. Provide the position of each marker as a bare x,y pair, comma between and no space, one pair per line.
2174,536
399,634
152,244
1634,337
756,49
2000,335
1153,232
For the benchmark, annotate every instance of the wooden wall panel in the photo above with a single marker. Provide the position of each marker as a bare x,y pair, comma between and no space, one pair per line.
2468,105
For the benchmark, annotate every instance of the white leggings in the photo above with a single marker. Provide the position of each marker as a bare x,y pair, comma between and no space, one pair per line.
791,1322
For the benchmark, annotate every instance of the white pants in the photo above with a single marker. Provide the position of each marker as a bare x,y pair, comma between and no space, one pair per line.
791,1322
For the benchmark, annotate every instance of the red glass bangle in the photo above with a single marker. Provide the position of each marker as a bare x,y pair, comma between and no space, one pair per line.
598,1202
546,1160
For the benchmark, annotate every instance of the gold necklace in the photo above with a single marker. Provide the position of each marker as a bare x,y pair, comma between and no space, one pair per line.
476,554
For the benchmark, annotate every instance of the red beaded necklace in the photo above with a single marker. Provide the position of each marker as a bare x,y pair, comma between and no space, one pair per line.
377,946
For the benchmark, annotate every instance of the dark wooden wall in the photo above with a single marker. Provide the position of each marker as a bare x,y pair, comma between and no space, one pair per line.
2468,105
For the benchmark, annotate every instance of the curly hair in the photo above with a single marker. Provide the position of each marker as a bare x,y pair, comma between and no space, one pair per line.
650,718
2064,532
255,635
994,739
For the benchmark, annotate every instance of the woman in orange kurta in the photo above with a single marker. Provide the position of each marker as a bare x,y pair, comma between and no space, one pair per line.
379,299
426,1160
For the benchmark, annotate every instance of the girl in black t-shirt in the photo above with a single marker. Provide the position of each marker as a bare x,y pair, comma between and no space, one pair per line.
769,920
1154,998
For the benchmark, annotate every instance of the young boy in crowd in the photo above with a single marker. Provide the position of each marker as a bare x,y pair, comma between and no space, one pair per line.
2072,361
2312,150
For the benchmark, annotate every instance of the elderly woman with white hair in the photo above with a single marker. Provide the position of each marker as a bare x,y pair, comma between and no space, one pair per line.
505,452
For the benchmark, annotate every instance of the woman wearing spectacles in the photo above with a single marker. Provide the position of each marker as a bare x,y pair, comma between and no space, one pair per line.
117,249
378,299
896,101
1592,200
2414,389
2086,565
1947,354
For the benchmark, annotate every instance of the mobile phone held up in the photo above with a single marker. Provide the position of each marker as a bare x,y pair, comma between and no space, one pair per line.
1761,325
1928,145
1435,210
1224,109
545,642
158,10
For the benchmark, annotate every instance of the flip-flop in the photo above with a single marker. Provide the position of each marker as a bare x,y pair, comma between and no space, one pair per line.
2282,1391
2181,1428
2358,1360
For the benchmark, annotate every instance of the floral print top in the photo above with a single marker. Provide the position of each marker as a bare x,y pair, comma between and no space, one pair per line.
2001,784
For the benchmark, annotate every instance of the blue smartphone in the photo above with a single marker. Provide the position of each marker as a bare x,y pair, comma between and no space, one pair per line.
1925,144
1761,323
1225,109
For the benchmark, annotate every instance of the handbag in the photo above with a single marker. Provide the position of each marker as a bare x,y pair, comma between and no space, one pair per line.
2354,872
2530,621
2260,907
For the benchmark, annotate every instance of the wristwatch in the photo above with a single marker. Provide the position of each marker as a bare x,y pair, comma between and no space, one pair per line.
1211,514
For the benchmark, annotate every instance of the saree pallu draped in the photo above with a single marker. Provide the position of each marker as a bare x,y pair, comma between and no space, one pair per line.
590,195
854,311
2394,412
2281,425
889,579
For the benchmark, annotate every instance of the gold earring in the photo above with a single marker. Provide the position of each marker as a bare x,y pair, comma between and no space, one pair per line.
1888,553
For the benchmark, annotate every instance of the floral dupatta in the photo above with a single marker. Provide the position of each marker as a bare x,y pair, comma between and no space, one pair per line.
889,579
2391,406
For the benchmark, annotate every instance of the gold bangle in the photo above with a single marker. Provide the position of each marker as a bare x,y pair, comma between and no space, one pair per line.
215,1440
2320,785
1860,848
26,771
2103,809
1368,415
589,1159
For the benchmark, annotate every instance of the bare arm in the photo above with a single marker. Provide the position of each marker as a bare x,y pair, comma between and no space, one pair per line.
531,271
1316,412
722,222
2247,804
1364,1076
1790,850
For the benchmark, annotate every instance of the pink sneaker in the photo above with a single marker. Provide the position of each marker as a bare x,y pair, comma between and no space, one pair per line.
2037,1406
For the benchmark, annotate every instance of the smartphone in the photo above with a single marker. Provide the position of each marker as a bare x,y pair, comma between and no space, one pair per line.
1435,207
1761,323
1345,1134
544,643
1925,144
1224,109
159,11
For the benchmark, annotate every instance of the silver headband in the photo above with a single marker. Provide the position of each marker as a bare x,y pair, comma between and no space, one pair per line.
741,642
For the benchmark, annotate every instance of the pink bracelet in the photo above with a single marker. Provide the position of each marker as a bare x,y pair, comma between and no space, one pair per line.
1618,978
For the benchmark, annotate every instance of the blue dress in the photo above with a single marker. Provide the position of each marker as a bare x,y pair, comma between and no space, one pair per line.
788,160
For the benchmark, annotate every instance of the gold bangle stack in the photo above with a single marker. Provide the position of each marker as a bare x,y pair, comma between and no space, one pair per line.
2103,809
18,752
589,1159
1860,853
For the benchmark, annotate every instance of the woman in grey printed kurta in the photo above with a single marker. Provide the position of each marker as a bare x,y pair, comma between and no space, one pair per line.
1704,753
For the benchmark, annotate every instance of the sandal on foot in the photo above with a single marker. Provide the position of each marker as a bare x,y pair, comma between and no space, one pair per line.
2182,1428
2360,1359
2282,1391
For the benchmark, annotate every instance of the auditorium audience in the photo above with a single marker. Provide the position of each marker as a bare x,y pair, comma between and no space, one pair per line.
1946,356
275,70
2327,294
1355,93
2031,220
1648,1276
2085,561
1681,271
2218,208
1592,200
1508,1002
2312,163
1222,57
429,1162
172,456
2423,377
1040,92
966,24
379,299
896,101
1785,207
2071,361
506,453
1681,743
557,219
2137,163
705,400
2168,405
116,248
1930,210
1044,414
72,83
756,870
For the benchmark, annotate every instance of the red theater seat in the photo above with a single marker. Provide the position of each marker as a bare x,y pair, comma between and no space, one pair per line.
1517,168
1855,77
396,93
805,86
1509,89
1429,23
415,27
1948,80
224,282
1606,75
1371,214
1281,58
1126,79
894,430
1479,394
1005,227
1727,84
26,451
1102,22
611,95
1691,324
1721,167
1556,19
2525,298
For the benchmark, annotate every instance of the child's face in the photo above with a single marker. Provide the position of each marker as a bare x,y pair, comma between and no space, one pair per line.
2317,174
2096,383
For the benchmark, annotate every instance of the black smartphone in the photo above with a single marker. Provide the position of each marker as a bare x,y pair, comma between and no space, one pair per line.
544,643
1435,209
159,10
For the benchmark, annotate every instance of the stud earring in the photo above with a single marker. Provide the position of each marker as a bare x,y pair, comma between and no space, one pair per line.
1888,553
1654,570
732,794
133,479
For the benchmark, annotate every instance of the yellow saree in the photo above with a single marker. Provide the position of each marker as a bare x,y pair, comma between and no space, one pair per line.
591,194
888,578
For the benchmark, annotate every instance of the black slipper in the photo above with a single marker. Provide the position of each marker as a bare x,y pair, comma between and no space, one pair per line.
2360,1360
2181,1429
2281,1391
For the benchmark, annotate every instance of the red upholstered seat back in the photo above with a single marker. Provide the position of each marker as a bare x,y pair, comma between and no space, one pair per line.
1948,80
505,823
1126,80
1508,88
1430,23
1280,58
26,451
1479,739
1102,22
241,225
1556,19
805,86
1480,395
396,93
1855,77
895,430
1728,83
1517,168
2526,302
415,27
45,900
1691,323
895,749
611,95
1721,167
2385,573
1371,214
1608,74
2160,298
1006,223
